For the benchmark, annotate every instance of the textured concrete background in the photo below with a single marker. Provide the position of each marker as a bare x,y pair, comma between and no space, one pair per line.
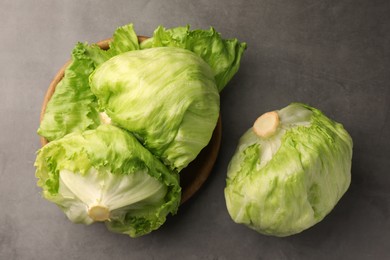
332,54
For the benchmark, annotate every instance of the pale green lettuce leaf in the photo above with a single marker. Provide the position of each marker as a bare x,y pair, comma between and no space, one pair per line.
108,167
223,56
285,184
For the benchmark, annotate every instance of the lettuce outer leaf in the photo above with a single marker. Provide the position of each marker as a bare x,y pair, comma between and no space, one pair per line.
124,39
223,56
285,184
73,107
166,96
108,164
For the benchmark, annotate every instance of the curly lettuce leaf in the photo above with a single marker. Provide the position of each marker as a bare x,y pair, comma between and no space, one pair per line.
73,107
223,56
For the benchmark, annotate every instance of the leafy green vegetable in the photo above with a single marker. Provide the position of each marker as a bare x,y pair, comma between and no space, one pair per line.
166,96
73,107
285,183
165,92
105,174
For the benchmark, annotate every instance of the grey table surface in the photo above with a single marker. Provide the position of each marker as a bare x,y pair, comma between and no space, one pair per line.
334,55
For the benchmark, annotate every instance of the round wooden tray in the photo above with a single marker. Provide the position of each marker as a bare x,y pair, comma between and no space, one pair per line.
195,174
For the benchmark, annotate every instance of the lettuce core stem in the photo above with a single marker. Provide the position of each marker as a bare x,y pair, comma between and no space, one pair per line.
104,118
99,213
266,125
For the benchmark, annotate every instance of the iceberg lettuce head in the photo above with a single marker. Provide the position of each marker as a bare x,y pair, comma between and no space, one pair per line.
106,175
289,171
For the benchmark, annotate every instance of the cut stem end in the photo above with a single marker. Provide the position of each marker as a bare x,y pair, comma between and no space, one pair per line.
99,213
266,125
104,118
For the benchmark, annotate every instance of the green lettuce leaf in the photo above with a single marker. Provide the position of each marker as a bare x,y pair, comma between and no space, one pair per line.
105,174
285,184
124,39
223,56
73,107
166,96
